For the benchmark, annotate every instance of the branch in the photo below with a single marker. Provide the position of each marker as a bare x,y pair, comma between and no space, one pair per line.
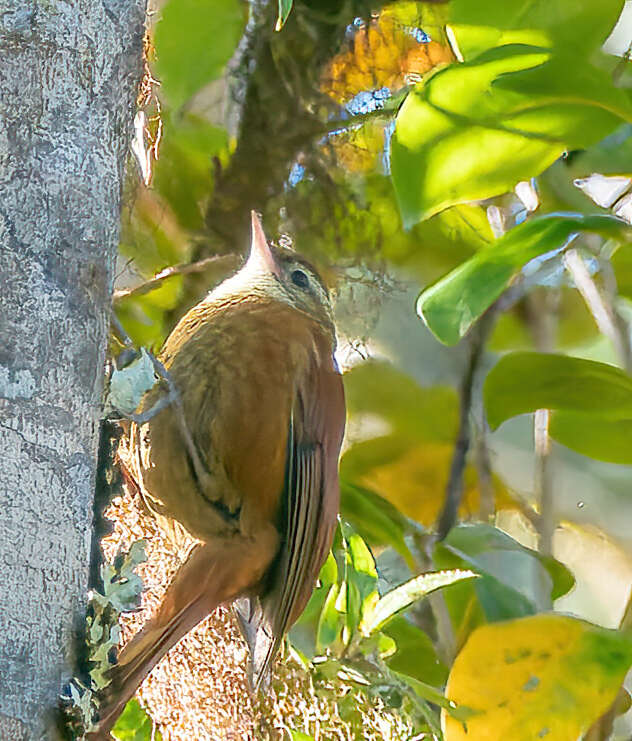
598,306
454,491
182,269
543,320
543,489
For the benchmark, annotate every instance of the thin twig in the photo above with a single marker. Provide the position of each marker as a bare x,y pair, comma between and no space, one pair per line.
182,269
447,645
597,304
446,638
543,315
543,488
621,323
454,491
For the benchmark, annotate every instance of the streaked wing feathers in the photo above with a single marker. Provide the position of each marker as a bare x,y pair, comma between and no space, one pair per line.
310,510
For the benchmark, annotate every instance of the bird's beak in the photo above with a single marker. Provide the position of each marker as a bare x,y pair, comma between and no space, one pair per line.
261,256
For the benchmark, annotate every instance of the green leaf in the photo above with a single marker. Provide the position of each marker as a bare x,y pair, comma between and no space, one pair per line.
473,130
285,6
360,578
376,520
329,623
435,696
564,23
406,594
415,654
523,382
194,40
454,303
515,580
329,570
135,725
593,436
562,578
183,173
612,156
305,633
545,676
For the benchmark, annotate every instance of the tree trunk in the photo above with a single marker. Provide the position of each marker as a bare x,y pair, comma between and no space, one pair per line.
69,72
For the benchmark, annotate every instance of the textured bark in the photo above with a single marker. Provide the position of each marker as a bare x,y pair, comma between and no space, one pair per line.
69,71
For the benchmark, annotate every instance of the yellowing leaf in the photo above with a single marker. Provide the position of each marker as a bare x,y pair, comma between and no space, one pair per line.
357,149
415,483
541,677
382,54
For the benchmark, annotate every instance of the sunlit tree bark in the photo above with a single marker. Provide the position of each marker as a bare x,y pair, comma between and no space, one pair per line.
68,81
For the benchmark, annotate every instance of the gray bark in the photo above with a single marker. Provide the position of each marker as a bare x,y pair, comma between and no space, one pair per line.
69,71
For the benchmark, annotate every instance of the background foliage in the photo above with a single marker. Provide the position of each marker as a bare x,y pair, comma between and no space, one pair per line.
461,173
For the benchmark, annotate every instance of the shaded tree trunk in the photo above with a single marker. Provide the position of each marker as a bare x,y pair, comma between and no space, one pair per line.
68,80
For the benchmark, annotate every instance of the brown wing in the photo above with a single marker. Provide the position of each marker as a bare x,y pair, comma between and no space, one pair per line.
310,509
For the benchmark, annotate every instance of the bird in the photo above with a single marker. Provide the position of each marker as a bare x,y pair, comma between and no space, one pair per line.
246,462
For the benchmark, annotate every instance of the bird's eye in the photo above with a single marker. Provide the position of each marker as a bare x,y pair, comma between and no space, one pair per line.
300,279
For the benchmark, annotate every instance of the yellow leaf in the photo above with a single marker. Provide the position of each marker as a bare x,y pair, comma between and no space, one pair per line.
540,677
357,150
415,483
383,53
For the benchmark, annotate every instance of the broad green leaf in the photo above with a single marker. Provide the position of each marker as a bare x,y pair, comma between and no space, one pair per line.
545,676
376,520
523,382
486,547
135,725
473,130
194,39
612,156
593,436
415,654
551,84
515,581
454,303
406,594
564,23
300,736
285,6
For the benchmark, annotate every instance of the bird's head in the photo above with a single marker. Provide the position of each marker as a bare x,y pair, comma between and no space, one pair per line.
281,274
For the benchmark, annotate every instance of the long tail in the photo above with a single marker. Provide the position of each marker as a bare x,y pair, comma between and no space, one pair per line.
214,573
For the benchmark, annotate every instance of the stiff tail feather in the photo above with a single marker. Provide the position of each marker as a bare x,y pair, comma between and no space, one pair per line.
213,574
